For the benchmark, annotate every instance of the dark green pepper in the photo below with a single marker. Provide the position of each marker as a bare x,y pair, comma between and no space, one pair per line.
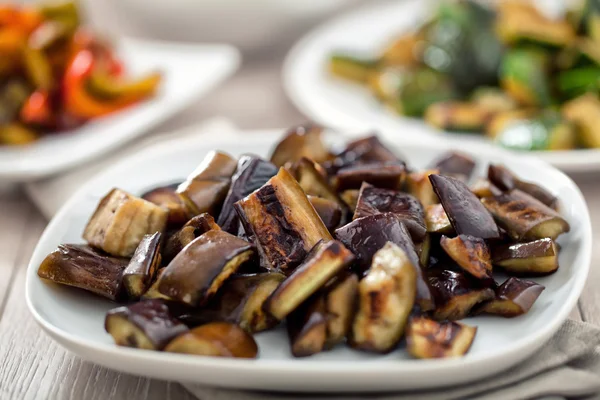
524,75
422,88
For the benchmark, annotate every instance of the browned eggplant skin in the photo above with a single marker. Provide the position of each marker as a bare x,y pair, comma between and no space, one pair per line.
190,275
457,165
366,235
519,213
206,187
151,317
382,175
300,141
504,179
143,265
372,200
307,327
283,223
251,173
465,212
167,197
504,254
470,253
513,298
195,227
83,267
426,338
366,150
329,211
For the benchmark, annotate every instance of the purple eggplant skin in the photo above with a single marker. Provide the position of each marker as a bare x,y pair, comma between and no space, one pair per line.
537,258
465,211
505,180
307,327
300,141
329,211
513,298
195,227
167,197
144,263
457,165
365,236
372,200
366,150
252,172
382,175
151,317
86,268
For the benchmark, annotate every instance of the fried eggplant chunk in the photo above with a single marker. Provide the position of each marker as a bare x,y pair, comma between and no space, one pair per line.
513,298
120,222
205,189
329,211
301,141
252,172
524,217
216,339
152,292
426,338
386,297
144,325
142,267
284,224
350,197
436,220
324,262
457,165
361,151
201,268
536,258
195,227
484,188
372,200
307,327
340,304
470,253
456,294
418,184
505,180
166,197
381,175
465,212
313,180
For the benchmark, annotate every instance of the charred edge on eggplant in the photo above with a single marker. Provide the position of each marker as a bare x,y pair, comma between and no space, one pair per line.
426,338
513,298
470,253
307,327
142,267
536,258
195,227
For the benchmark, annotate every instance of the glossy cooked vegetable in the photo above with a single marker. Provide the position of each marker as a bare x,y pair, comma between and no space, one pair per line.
301,141
426,338
143,265
470,253
536,258
167,197
195,227
513,298
307,328
505,180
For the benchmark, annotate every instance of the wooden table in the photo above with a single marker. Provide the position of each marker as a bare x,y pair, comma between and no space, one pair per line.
32,366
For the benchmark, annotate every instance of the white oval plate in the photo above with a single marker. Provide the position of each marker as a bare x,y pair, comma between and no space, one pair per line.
189,71
75,318
335,103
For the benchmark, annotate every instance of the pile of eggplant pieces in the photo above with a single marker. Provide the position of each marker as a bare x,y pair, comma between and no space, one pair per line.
349,246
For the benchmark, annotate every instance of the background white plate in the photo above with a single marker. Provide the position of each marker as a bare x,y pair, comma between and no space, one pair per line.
75,318
335,103
189,72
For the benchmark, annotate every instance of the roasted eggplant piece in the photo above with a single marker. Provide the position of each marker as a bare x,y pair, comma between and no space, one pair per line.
195,227
350,197
426,338
536,258
513,298
120,222
217,339
386,298
201,268
299,142
351,67
366,235
367,150
470,253
85,268
240,301
418,184
284,224
457,165
144,325
142,267
505,180
252,172
205,189
484,188
524,217
456,294
584,112
324,262
437,221
524,75
166,197
152,292
372,200
340,304
464,210
457,116
424,251
307,327
381,175
329,211
313,180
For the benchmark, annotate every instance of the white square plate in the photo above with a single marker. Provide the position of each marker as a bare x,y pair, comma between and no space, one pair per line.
189,71
75,318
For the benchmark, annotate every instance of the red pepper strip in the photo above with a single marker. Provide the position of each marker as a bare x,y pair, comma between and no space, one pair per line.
36,109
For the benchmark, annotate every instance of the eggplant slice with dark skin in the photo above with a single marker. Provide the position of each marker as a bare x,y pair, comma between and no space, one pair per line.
329,211
301,141
505,180
361,151
465,212
484,188
147,324
283,223
307,327
203,266
86,268
381,175
426,338
372,200
324,262
167,197
418,184
513,298
195,227
456,165
340,303
350,197
536,258
470,253
524,217
366,235
142,267
252,172
436,220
